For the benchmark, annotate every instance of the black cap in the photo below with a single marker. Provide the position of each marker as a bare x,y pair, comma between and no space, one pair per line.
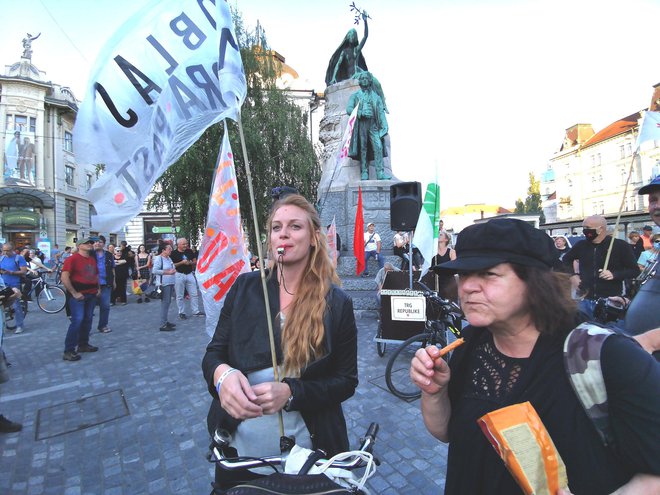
503,240
655,183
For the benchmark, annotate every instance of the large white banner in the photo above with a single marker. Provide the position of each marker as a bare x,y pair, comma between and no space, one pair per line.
170,72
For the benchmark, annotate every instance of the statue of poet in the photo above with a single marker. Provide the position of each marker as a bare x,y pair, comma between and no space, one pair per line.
367,140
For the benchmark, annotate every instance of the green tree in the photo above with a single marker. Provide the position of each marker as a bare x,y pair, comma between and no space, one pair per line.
532,203
277,141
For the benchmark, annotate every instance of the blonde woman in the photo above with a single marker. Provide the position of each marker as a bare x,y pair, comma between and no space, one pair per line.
316,340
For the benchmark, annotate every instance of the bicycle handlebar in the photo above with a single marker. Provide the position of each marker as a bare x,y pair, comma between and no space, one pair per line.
221,440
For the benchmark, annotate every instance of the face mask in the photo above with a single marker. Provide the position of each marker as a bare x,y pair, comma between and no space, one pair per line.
656,245
590,234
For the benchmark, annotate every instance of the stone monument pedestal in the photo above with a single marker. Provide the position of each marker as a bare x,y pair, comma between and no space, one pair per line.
338,188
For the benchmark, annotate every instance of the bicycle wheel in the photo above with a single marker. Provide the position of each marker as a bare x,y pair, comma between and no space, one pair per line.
397,372
380,346
51,299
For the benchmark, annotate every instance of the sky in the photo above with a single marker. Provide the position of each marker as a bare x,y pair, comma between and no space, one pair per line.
479,90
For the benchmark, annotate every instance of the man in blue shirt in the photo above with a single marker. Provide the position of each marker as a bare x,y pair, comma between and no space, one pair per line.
12,267
106,265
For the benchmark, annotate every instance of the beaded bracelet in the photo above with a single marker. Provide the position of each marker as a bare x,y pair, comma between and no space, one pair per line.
227,372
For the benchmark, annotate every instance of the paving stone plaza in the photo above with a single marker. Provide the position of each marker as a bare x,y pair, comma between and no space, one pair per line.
131,418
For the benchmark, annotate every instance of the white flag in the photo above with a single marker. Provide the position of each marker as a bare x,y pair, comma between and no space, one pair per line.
332,242
426,233
649,129
170,71
223,255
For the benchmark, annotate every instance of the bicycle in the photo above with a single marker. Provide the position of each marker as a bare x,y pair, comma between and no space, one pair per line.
446,317
50,298
297,480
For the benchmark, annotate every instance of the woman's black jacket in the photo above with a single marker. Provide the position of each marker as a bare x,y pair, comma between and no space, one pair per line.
241,340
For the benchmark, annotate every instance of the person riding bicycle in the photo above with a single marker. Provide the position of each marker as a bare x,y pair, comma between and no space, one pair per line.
315,339
520,313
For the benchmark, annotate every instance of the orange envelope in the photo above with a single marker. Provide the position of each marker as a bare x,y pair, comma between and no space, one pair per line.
521,440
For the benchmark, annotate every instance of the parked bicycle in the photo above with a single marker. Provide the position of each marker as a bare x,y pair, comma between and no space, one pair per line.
50,298
305,477
443,316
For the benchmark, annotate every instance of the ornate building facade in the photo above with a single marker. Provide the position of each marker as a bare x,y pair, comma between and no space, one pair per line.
588,175
42,188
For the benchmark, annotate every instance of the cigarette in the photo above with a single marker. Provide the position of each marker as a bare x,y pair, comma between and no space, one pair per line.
451,347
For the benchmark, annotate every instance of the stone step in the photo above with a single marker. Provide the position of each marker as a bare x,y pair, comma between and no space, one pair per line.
346,264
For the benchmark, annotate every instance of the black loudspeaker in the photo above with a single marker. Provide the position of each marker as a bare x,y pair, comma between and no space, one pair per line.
405,204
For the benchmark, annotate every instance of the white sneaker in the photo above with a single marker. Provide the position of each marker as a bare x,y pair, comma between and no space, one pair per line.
18,330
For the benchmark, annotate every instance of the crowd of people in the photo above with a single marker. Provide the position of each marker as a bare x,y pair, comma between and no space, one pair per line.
523,294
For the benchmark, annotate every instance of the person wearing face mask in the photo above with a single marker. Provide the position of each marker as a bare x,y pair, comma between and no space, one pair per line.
596,281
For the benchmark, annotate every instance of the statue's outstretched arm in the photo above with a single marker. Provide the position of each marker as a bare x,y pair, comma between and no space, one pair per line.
364,38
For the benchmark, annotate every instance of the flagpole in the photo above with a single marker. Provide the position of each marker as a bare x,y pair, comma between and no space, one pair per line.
618,217
271,335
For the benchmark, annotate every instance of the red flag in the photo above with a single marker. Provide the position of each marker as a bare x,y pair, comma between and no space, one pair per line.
358,236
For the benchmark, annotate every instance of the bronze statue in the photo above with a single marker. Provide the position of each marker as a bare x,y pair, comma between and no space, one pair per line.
347,59
367,140
27,45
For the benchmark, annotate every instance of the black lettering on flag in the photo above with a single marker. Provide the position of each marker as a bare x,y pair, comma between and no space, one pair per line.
209,86
164,53
187,31
225,37
141,161
132,116
129,69
207,14
161,124
179,90
125,174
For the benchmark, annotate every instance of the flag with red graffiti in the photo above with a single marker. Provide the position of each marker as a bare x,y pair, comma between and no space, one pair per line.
223,255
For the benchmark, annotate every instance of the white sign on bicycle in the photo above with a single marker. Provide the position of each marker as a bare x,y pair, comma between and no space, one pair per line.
408,308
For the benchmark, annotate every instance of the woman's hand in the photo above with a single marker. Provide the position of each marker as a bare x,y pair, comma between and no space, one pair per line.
237,397
272,396
429,371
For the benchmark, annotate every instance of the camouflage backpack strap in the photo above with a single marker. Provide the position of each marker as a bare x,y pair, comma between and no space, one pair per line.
582,350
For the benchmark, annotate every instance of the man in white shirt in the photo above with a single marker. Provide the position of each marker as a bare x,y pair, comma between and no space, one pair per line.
372,248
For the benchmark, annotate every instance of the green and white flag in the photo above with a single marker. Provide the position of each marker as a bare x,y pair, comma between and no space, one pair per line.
426,233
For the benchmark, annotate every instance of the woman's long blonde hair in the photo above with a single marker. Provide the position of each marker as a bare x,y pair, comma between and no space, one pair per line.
303,334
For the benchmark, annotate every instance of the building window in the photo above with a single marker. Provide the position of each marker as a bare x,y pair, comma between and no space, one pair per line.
92,212
33,125
598,162
88,183
70,211
69,175
622,149
628,149
20,123
68,141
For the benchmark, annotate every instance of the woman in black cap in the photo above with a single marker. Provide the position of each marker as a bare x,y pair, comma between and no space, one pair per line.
520,313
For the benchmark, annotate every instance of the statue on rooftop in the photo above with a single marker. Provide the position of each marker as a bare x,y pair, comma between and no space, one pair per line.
27,45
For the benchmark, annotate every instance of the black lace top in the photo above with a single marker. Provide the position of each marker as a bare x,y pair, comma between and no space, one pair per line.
493,375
